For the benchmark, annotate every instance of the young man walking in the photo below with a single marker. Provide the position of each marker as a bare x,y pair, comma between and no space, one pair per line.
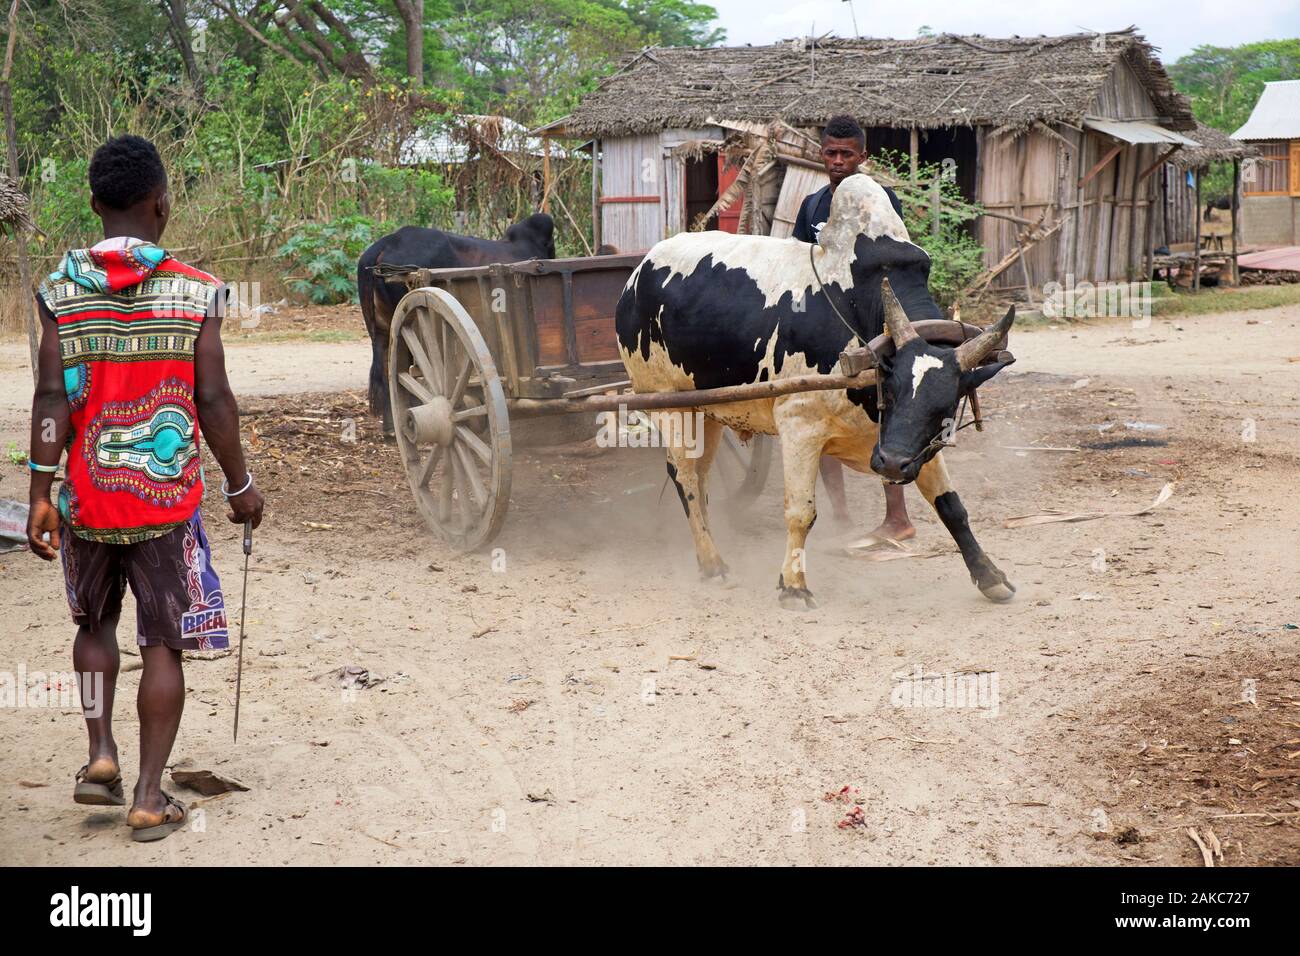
130,370
844,149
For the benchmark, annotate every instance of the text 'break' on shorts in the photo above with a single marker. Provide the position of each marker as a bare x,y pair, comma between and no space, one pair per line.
177,592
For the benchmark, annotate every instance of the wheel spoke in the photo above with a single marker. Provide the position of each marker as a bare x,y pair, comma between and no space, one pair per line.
415,387
473,480
448,346
421,359
429,332
461,380
444,496
426,470
480,447
473,411
462,499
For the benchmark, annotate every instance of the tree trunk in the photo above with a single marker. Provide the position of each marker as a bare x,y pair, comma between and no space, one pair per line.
20,231
412,14
178,19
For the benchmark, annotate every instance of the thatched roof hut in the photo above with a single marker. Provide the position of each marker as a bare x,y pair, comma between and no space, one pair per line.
1215,147
1056,138
15,209
925,83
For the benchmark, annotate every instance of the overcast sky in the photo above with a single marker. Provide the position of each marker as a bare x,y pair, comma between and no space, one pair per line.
1176,28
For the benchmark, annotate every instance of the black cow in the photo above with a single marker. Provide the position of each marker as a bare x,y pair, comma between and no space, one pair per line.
711,309
533,238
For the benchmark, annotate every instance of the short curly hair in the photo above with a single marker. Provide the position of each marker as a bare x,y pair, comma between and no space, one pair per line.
125,170
844,127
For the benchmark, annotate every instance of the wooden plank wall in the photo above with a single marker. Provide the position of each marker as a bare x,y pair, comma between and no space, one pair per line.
1026,174
1019,176
1180,202
1105,233
632,166
799,183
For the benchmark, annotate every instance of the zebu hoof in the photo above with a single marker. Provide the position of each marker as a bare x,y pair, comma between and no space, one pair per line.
1000,593
797,599
993,584
715,574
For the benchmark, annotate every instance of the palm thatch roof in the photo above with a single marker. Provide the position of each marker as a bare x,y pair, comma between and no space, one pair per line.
1216,146
928,82
15,210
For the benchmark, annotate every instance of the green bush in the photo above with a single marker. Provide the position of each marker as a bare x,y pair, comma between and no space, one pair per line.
61,202
955,257
406,196
327,252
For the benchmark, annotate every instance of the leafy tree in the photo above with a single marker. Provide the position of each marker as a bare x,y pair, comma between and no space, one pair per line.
1225,83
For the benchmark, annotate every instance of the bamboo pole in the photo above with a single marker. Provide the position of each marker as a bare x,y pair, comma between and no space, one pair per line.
596,225
936,206
1236,201
1196,269
546,174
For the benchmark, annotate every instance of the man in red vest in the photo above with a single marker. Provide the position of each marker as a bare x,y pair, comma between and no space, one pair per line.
131,369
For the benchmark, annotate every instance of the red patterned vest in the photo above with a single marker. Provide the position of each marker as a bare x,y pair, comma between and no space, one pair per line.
128,316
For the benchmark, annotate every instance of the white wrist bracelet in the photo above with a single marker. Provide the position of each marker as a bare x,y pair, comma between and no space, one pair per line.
234,494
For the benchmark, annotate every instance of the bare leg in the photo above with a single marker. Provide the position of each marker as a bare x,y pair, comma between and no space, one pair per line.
897,526
832,473
95,659
160,702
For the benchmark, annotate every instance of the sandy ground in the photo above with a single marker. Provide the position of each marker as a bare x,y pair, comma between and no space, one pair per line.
530,711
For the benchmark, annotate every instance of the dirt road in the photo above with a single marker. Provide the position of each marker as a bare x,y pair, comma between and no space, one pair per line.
1143,682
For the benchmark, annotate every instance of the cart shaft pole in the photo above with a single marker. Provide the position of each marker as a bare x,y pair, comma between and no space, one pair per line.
691,399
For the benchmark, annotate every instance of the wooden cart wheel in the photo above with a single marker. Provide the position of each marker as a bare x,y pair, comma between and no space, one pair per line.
449,410
743,467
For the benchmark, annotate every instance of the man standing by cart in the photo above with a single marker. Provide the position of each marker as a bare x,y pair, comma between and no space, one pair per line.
843,150
130,370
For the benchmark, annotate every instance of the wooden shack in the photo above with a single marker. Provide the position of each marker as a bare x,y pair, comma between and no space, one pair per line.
1056,137
1271,183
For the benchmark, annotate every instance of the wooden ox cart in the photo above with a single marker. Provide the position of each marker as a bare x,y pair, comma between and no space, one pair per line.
473,348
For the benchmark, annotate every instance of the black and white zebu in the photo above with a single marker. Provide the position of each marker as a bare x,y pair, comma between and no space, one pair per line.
711,309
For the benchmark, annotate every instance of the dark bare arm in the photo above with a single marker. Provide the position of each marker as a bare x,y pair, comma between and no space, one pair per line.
50,425
219,414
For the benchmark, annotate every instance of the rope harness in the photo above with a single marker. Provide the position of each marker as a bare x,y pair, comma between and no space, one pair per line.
938,441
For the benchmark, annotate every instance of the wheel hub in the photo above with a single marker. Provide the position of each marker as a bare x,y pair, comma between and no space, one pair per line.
431,423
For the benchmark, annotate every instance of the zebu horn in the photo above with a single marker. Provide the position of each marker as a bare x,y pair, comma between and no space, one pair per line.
900,330
971,353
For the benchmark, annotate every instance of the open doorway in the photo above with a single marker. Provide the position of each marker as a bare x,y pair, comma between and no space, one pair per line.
701,188
954,147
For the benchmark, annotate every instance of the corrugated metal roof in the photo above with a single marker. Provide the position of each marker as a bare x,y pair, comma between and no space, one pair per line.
1276,115
1137,131
1286,259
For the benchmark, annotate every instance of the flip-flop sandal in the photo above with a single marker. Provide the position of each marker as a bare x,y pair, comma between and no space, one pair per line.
174,816
100,794
873,543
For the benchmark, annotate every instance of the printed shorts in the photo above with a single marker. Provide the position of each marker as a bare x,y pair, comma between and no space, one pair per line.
177,592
